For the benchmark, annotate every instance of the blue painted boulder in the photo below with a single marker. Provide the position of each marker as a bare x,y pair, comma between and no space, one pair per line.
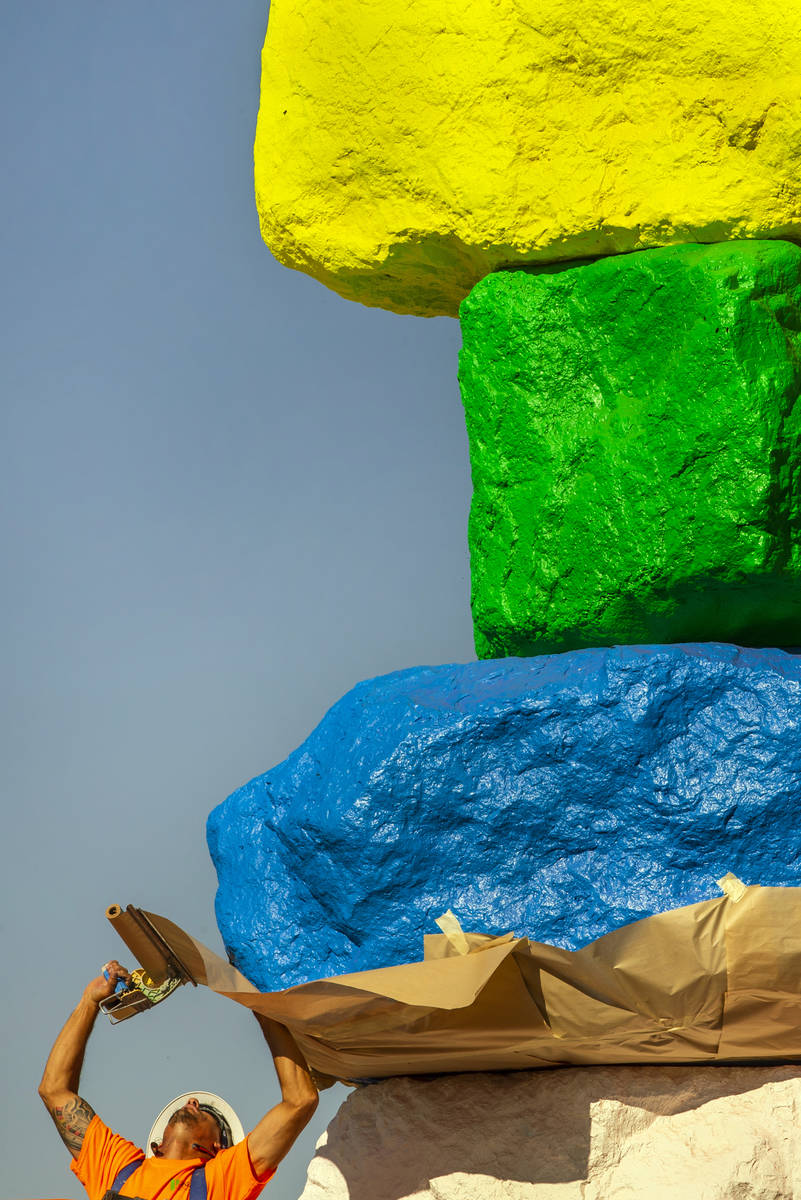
559,797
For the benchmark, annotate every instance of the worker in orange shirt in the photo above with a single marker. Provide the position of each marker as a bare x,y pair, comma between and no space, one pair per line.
195,1158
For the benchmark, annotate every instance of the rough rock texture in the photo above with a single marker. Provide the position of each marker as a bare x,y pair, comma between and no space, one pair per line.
635,438
404,151
597,1133
557,797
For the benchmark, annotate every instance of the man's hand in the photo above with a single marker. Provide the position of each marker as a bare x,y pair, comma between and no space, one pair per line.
103,986
62,1074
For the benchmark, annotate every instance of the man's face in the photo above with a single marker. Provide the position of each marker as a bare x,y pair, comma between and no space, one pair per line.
201,1125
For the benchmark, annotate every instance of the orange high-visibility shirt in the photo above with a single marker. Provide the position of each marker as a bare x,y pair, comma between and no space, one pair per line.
229,1175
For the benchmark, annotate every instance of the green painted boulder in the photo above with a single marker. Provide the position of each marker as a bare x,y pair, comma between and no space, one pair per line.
634,433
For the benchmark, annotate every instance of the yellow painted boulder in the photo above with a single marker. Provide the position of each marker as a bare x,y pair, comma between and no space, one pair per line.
405,148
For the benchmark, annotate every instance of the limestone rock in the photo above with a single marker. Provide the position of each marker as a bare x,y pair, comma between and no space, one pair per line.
558,797
403,151
598,1133
635,439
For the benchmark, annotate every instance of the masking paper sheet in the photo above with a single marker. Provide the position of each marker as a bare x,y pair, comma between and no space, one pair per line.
714,981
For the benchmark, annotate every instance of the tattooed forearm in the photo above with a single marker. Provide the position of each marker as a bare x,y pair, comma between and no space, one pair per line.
72,1121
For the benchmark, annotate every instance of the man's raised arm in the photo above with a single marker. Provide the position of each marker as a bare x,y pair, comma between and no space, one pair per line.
275,1132
62,1073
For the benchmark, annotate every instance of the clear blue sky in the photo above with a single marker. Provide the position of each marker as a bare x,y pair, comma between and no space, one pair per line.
228,495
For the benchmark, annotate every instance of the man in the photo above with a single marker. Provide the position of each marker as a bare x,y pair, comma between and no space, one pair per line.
190,1160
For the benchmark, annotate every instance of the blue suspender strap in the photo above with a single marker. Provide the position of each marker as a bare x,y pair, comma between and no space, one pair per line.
197,1186
197,1183
125,1173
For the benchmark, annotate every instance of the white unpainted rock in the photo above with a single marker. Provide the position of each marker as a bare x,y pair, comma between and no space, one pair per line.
595,1133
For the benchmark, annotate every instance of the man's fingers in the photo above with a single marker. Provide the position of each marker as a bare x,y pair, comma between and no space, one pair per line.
107,981
112,971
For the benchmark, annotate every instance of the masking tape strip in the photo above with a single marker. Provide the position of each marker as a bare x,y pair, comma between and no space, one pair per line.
449,924
732,887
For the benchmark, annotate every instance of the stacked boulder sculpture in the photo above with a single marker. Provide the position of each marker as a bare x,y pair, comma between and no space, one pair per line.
610,199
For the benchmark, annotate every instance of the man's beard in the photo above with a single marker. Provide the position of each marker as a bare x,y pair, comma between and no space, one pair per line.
185,1116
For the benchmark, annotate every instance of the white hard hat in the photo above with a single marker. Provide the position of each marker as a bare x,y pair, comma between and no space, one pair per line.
208,1102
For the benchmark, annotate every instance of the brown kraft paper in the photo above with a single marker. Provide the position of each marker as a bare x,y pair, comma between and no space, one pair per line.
717,981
